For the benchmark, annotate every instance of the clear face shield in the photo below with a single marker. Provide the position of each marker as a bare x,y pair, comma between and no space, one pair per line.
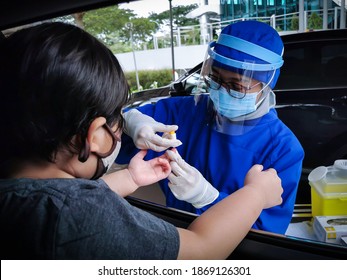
238,89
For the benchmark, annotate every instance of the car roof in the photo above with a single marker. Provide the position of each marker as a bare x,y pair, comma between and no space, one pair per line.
14,13
317,35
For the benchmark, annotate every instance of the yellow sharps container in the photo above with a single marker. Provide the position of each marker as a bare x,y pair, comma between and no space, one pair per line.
329,189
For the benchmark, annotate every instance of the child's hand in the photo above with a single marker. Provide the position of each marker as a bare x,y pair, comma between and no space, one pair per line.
148,172
267,183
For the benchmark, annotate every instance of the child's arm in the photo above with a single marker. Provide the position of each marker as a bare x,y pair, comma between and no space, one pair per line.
217,232
138,173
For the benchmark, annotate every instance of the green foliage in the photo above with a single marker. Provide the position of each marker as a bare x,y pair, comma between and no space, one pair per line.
192,37
109,25
315,21
149,78
143,29
294,23
178,16
119,47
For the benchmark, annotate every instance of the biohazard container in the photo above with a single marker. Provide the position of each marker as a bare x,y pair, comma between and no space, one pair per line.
329,189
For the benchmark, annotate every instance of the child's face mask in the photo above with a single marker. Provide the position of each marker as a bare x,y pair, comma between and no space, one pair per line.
105,160
108,161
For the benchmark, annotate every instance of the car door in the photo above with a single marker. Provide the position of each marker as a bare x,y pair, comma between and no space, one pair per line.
311,96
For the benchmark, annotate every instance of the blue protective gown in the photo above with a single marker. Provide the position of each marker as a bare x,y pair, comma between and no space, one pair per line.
225,159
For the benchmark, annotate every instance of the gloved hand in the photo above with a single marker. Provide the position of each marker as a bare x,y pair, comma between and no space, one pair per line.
187,183
142,129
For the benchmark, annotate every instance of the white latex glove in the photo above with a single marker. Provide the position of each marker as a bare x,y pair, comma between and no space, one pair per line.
142,129
187,183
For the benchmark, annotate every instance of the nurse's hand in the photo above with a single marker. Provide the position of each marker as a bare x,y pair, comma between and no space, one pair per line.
142,129
187,183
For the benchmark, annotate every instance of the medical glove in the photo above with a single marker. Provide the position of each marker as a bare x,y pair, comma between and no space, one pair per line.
187,183
142,129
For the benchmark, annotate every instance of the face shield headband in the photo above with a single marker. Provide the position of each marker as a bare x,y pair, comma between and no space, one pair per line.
274,61
250,68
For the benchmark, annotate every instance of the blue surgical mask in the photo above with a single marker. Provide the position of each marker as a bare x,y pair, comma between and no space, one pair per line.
232,107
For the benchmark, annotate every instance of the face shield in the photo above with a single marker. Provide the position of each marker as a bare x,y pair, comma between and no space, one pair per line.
239,87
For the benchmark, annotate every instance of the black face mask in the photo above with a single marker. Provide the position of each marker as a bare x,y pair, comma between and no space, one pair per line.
105,160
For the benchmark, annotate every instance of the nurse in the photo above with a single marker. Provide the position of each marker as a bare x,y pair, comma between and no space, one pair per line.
223,130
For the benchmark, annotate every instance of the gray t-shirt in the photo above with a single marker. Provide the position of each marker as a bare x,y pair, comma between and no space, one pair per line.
78,219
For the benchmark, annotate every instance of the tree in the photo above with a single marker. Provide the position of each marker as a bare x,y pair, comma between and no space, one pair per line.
143,30
178,16
315,22
108,24
180,19
294,23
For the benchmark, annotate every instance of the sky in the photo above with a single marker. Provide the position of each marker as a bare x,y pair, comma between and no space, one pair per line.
144,8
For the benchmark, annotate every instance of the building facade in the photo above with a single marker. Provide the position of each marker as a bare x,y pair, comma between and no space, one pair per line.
285,10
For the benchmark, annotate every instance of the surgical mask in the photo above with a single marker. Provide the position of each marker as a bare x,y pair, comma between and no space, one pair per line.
105,163
108,161
231,106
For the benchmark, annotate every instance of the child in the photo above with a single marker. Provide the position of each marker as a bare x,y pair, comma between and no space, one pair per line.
62,93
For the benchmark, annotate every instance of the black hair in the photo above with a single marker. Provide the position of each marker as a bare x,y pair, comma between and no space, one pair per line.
55,79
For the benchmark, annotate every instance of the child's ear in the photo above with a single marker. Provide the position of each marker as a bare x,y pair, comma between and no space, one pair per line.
96,135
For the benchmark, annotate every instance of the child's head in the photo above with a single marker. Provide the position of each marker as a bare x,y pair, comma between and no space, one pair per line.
55,79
